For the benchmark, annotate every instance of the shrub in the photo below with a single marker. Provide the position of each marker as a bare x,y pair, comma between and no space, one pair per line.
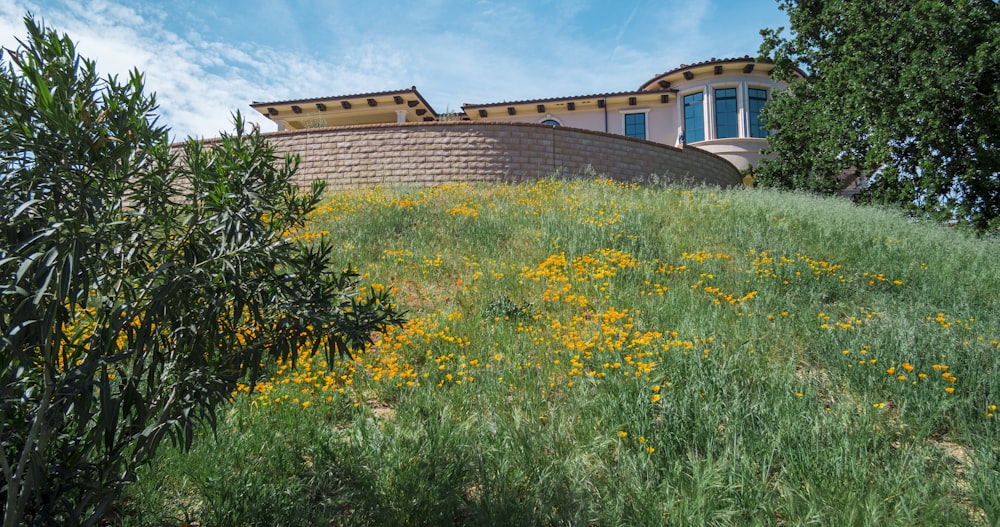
138,283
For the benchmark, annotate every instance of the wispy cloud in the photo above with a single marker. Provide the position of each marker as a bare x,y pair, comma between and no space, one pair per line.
198,84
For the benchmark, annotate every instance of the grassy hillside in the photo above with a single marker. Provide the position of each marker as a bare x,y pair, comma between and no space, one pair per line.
588,353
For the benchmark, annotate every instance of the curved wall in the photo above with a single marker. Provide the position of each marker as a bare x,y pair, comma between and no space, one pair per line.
742,152
441,152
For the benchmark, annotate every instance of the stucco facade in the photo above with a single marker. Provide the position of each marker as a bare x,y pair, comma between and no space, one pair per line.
712,106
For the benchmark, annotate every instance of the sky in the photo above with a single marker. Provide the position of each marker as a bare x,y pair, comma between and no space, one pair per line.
207,59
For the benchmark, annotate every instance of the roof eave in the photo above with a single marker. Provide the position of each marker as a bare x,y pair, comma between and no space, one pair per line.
335,103
574,98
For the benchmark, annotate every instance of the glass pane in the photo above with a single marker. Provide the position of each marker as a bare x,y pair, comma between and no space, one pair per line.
635,125
726,113
758,98
694,118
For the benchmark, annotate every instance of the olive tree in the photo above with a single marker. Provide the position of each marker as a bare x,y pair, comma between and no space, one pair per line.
138,281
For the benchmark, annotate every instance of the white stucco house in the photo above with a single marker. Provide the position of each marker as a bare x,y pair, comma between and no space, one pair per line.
712,105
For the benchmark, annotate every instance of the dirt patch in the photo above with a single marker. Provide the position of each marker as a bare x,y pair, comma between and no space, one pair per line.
959,459
380,410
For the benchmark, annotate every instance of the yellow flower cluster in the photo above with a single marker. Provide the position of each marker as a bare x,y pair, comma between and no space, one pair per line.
945,323
310,377
464,209
797,268
846,322
641,441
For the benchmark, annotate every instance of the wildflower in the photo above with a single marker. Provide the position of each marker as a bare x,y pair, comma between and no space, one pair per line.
656,398
622,434
949,389
650,449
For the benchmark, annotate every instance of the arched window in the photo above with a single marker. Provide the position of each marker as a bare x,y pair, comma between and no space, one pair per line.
552,122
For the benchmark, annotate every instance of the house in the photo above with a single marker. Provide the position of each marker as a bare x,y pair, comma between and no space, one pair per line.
712,105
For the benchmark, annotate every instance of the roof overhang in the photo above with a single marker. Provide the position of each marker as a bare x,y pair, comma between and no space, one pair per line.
344,110
580,103
689,72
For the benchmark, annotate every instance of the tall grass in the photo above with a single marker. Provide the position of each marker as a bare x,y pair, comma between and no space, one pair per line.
590,353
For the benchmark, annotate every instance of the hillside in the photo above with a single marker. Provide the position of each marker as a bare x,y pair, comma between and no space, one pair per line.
591,353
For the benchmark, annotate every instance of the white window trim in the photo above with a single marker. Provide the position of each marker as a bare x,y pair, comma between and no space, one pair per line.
645,120
741,130
704,90
746,107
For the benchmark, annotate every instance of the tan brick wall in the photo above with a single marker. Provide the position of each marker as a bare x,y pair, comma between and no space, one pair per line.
440,152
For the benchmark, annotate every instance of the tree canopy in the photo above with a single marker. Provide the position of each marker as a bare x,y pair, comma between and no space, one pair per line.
905,95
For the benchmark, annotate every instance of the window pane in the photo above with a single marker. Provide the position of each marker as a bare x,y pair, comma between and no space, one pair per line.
635,125
551,122
757,99
694,118
726,115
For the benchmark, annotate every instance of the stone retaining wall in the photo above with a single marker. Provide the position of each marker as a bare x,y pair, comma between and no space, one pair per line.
441,152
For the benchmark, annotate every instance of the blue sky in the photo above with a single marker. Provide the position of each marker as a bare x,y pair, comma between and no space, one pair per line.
206,59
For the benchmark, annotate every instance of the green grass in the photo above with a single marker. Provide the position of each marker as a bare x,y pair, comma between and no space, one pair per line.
587,353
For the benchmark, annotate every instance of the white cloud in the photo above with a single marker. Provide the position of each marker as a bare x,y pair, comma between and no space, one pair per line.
198,84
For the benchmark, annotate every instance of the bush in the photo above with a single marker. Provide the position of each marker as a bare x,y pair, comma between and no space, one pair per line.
138,283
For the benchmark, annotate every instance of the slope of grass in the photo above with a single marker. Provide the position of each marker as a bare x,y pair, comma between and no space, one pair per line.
588,353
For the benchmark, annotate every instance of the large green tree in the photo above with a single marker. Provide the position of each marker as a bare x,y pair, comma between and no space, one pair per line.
138,282
903,93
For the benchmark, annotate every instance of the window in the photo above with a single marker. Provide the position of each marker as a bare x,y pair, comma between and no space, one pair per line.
726,113
552,122
635,125
694,118
757,99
